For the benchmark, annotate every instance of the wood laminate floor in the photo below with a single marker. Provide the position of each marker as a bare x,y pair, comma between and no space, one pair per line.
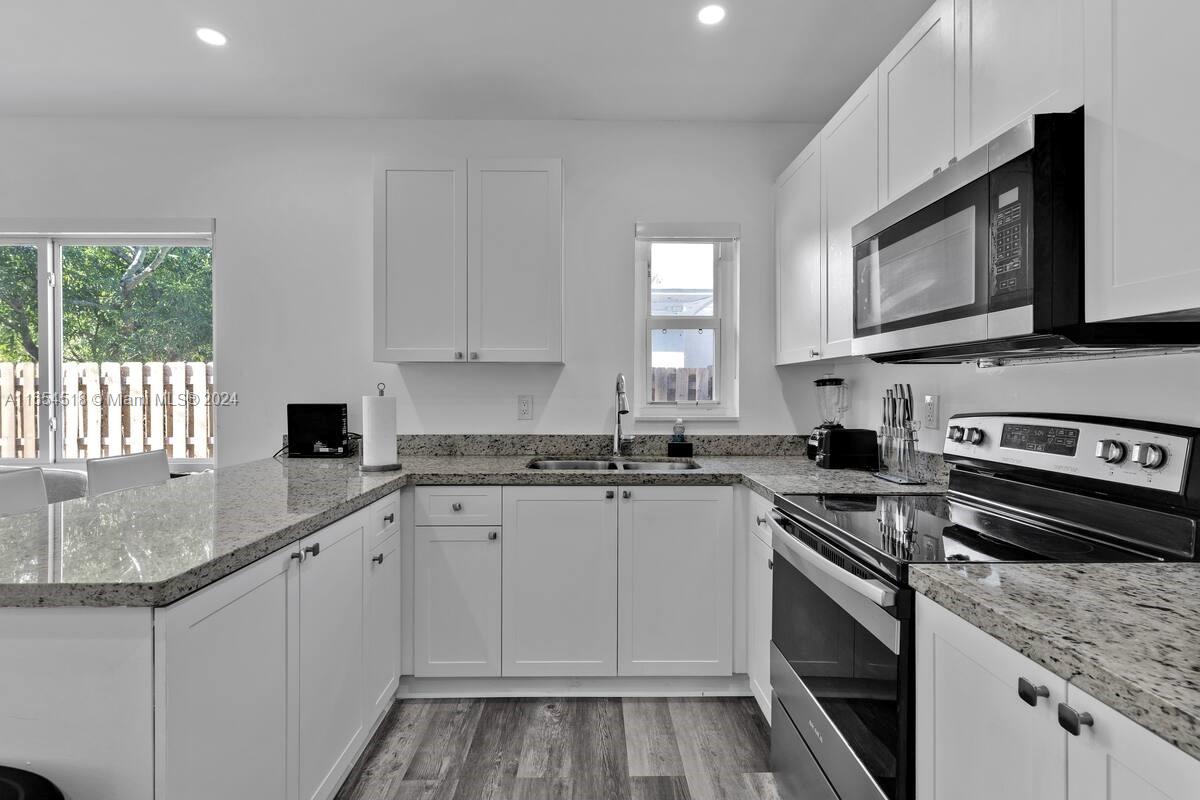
567,749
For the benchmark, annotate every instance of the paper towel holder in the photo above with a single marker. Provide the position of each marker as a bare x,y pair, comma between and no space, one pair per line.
379,467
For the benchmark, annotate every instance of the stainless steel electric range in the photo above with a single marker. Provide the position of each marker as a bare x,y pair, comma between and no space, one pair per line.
1023,488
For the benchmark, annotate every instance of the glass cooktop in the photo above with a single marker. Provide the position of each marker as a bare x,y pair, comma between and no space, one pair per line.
938,529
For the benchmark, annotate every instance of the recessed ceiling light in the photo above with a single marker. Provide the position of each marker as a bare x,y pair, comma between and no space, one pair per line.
216,38
711,15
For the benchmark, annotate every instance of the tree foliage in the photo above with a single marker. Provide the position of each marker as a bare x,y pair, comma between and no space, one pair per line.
119,303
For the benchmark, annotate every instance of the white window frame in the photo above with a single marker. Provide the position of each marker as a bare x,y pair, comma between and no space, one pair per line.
50,236
723,322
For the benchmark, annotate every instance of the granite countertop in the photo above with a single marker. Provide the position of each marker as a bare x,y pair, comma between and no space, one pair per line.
153,545
1127,634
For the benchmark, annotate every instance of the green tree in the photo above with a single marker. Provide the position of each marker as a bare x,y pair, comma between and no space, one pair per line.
120,303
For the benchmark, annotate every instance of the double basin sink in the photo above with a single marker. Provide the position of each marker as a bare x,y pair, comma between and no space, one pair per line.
611,463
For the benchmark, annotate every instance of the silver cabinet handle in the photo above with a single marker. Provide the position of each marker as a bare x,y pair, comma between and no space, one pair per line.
1030,693
760,519
1071,720
389,518
298,556
610,494
456,507
493,536
314,549
458,355
813,353
474,356
770,563
627,494
377,559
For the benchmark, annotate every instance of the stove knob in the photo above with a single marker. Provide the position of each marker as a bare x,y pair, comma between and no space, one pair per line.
1150,456
1112,451
975,435
955,434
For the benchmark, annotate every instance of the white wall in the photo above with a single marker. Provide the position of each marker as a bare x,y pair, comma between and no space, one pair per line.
292,203
1158,388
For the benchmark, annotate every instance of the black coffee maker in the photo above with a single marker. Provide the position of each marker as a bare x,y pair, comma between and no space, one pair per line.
832,403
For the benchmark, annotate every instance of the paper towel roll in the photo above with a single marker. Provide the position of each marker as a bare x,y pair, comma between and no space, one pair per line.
379,431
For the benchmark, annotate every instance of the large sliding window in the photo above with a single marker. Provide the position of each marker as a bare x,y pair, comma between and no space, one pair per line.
106,346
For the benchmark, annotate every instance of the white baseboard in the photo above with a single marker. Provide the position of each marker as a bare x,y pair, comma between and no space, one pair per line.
438,688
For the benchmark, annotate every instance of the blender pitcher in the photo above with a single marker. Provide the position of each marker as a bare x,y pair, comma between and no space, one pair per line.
832,402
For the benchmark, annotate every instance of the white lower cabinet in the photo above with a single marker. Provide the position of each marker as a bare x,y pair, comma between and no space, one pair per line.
259,678
976,737
456,604
1117,759
331,646
560,581
675,586
382,623
759,566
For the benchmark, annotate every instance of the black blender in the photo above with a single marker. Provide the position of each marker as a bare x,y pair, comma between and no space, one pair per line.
832,403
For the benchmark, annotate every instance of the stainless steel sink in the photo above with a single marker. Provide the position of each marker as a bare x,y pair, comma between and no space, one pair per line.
572,464
599,464
668,466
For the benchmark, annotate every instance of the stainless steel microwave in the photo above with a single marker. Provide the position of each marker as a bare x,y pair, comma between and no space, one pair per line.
986,260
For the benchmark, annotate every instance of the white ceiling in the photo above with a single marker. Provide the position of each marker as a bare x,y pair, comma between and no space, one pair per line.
771,60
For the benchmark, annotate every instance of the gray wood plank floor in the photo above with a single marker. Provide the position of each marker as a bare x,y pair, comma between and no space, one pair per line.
567,749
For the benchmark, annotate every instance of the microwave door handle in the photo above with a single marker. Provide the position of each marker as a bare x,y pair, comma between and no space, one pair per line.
875,591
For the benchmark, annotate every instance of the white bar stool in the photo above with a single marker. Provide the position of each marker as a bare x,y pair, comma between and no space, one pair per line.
126,472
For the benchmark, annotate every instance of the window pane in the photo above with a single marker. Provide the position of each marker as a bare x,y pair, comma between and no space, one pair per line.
682,365
681,279
137,350
19,388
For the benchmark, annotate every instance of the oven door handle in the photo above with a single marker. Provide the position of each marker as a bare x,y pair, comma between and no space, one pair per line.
875,591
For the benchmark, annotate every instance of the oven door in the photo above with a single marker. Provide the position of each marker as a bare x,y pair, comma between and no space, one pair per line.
840,664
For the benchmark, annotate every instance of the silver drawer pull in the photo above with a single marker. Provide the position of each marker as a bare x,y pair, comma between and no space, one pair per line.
1030,693
456,507
377,559
389,518
493,535
1071,720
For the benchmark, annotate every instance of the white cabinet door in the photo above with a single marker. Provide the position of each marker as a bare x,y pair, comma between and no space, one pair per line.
456,602
381,627
798,258
1117,759
1014,58
421,262
759,565
675,585
1142,163
331,655
850,187
916,104
976,738
226,665
514,272
560,580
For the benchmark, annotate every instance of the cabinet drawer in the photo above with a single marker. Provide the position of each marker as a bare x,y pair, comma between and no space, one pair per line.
383,518
457,505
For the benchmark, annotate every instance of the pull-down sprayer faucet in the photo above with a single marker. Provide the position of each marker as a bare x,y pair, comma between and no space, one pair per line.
622,408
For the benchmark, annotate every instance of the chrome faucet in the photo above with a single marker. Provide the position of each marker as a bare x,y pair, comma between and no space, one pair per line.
622,408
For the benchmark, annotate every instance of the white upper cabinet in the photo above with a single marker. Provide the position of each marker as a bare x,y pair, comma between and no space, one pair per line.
560,580
1014,58
1117,759
514,262
1142,162
468,261
421,262
850,193
799,254
916,104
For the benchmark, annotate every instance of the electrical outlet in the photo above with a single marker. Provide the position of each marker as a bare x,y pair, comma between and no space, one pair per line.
524,406
932,419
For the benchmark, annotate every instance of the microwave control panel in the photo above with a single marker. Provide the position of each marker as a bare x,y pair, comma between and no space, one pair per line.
1008,228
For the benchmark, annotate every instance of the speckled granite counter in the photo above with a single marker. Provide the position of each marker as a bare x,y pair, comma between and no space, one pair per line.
154,545
1128,634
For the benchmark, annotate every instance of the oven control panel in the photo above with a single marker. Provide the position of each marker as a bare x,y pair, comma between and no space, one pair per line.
1093,450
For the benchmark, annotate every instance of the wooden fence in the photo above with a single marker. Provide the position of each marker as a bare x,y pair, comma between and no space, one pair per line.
112,408
676,385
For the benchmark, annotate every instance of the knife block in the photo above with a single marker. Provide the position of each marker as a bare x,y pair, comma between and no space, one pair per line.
897,455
